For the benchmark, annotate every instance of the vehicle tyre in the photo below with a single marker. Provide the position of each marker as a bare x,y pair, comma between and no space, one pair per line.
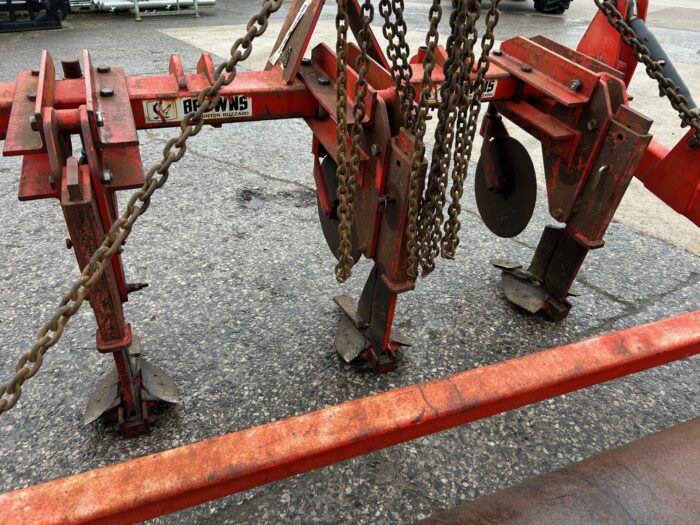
553,7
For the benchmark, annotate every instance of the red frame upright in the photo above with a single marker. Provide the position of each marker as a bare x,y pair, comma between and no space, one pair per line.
575,102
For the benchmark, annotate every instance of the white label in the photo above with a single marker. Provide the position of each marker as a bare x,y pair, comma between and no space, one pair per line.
490,90
435,97
160,110
173,110
278,52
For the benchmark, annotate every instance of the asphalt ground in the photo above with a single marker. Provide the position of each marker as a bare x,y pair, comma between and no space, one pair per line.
239,309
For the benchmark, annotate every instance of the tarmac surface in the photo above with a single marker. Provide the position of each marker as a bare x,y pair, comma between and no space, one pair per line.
239,310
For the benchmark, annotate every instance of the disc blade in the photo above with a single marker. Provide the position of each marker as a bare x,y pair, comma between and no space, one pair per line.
507,207
104,398
329,225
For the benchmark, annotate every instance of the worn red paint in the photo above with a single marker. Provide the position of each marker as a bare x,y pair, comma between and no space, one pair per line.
186,476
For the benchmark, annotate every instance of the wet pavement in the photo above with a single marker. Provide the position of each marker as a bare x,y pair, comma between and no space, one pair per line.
240,313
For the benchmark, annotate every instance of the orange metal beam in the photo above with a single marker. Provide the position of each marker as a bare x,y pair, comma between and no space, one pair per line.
186,476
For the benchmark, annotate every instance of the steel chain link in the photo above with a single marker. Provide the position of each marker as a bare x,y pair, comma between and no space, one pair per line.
345,258
415,194
461,102
137,205
462,23
347,176
398,51
654,69
468,118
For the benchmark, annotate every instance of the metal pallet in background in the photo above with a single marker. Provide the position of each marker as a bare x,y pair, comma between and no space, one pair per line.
143,8
81,6
32,15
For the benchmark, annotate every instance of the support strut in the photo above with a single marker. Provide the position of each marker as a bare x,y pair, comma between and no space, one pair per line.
192,474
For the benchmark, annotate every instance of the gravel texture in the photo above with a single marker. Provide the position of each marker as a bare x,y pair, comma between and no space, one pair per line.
239,313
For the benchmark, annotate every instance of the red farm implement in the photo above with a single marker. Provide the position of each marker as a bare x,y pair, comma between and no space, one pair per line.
377,196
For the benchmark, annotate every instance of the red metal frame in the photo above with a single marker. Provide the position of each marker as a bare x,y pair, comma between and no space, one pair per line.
168,481
574,101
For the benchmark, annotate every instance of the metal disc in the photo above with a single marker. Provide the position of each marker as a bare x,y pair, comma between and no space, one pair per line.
330,225
506,211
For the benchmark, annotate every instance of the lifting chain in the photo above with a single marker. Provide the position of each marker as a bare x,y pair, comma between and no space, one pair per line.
347,172
463,24
415,194
654,69
156,176
398,52
466,129
460,103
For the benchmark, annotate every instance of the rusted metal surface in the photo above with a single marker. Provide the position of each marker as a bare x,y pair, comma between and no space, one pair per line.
603,43
505,186
82,215
20,139
550,72
574,102
590,155
655,479
271,99
183,477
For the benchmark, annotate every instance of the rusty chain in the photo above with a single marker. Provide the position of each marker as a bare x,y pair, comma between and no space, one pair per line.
466,129
348,169
655,70
461,103
415,194
462,23
398,51
343,268
156,177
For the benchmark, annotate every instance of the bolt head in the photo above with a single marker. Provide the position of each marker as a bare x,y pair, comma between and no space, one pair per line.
575,85
106,92
69,243
99,119
374,150
305,61
35,72
497,52
592,125
525,68
107,177
324,81
103,69
33,123
31,96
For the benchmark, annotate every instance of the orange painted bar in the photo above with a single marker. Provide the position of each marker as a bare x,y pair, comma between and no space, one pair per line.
186,476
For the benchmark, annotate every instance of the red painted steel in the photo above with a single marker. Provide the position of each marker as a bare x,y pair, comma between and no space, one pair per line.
675,178
602,42
272,98
186,476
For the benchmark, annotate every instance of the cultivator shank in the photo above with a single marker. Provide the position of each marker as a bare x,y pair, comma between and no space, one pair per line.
574,101
377,195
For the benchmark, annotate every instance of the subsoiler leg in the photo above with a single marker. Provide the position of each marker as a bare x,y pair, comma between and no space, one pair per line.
113,335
